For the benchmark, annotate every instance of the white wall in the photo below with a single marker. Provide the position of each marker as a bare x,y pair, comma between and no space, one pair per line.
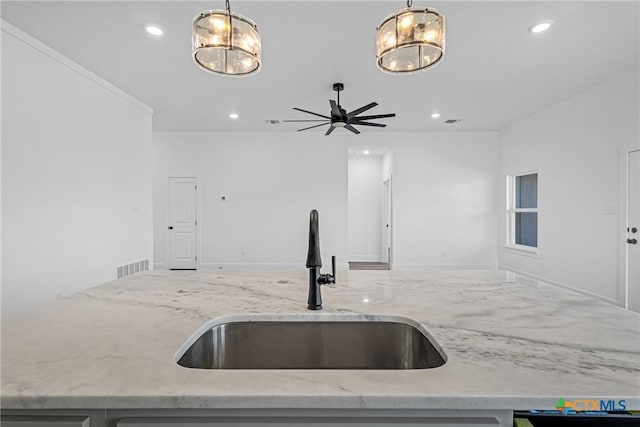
387,165
443,192
2,37
365,208
271,183
444,199
576,147
76,176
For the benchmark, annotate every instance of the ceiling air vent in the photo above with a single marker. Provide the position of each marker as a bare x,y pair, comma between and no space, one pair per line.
272,122
451,121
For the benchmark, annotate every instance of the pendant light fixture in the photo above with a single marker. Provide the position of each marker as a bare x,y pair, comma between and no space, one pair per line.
410,40
226,43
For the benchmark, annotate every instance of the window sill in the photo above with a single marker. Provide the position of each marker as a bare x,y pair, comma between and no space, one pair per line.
523,250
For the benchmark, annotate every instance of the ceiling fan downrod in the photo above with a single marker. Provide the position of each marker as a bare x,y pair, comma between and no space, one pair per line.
338,87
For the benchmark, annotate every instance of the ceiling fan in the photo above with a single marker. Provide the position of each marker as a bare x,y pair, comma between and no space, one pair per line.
339,118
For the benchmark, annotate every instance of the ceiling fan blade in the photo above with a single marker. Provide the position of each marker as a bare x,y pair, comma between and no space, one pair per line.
361,110
351,128
311,127
377,116
331,128
356,122
311,112
319,120
335,110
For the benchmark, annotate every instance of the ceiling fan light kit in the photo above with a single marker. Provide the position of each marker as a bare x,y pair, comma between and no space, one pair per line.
410,40
226,43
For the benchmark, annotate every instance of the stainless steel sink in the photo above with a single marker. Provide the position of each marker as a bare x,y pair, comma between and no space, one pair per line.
311,342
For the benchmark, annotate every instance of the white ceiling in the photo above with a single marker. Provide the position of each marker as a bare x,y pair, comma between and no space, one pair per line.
494,71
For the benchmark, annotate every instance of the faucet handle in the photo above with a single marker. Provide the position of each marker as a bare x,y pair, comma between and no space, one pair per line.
326,279
333,268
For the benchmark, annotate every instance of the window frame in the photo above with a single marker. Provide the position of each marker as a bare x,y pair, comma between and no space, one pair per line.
512,210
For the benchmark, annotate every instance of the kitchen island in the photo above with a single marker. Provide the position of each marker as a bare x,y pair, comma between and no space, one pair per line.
511,343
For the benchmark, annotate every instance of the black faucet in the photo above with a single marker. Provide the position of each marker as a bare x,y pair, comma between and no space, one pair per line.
314,263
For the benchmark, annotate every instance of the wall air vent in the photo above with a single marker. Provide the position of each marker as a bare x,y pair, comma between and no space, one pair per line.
452,121
134,267
272,122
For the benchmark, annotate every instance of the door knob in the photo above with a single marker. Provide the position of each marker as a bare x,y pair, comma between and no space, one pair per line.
632,241
171,227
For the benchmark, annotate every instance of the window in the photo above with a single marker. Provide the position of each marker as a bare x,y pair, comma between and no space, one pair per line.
522,215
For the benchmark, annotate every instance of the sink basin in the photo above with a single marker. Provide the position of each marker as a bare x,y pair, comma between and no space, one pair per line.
311,342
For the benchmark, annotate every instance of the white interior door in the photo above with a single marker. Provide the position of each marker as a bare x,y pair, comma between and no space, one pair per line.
633,232
182,225
386,221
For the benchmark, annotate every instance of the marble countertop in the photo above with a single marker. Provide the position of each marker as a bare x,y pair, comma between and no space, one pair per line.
511,343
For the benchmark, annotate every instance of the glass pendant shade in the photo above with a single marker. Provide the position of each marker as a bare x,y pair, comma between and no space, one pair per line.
410,40
226,43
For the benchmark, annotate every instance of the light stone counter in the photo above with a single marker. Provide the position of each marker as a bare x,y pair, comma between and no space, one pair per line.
511,343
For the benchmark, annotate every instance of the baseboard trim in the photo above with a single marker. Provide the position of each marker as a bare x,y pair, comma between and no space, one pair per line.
396,266
565,286
263,266
339,266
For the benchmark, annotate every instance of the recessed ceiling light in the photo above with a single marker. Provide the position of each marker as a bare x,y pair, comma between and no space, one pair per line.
154,30
233,116
435,115
366,152
541,27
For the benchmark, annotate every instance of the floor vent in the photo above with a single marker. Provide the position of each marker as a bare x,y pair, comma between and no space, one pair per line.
134,267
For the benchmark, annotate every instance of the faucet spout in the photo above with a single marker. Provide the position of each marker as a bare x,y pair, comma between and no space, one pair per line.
314,263
313,254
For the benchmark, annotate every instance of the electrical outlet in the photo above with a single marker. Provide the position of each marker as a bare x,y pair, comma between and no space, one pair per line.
243,254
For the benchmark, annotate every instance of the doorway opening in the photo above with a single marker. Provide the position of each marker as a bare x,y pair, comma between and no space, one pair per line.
370,205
